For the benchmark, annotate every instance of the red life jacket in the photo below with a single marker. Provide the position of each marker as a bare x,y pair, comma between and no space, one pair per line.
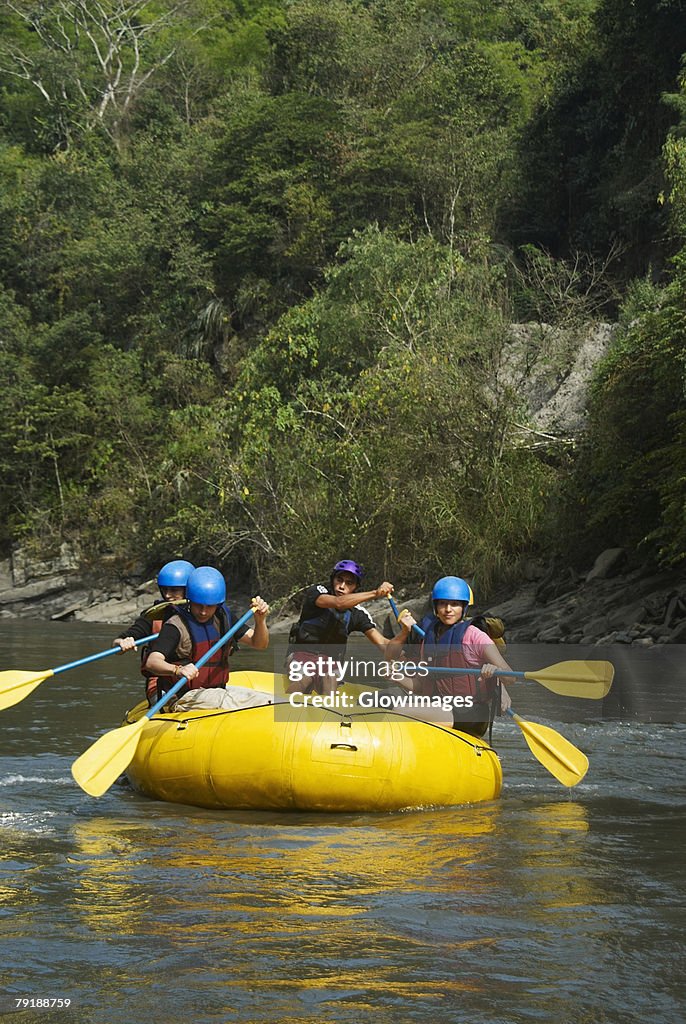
198,638
152,691
165,609
446,649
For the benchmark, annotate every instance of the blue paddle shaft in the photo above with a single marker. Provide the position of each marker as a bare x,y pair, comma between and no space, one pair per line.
103,654
199,663
448,671
416,628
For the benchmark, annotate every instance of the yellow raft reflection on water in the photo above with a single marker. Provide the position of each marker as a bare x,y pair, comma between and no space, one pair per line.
283,757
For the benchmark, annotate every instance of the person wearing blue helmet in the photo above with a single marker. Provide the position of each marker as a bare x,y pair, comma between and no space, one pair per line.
188,634
330,613
452,640
171,581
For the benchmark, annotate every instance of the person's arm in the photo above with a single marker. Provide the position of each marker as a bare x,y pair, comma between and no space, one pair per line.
159,661
140,628
377,638
345,602
494,661
392,650
143,626
393,647
257,636
125,643
361,622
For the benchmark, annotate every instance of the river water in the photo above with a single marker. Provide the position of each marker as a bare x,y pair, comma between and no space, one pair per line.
547,905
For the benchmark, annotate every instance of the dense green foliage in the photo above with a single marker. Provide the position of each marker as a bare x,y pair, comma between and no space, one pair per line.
258,269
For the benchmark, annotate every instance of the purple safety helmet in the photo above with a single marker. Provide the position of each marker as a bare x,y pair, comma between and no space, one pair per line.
347,565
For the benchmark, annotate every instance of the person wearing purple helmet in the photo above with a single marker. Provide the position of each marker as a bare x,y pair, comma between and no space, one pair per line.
330,613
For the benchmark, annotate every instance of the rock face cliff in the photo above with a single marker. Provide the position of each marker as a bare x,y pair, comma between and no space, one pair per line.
551,367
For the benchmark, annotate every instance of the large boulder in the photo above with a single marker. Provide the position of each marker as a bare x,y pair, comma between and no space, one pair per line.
609,563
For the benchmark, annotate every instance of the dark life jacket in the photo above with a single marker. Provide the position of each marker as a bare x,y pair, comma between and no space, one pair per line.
445,648
329,627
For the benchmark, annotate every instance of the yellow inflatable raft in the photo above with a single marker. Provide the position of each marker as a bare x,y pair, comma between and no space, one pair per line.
308,759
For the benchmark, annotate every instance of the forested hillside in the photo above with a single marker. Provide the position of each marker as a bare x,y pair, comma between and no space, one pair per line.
259,264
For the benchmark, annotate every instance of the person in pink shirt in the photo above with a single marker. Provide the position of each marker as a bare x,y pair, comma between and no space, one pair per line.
451,640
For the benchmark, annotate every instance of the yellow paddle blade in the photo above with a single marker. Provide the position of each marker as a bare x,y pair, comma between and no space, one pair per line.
589,679
14,686
104,761
562,759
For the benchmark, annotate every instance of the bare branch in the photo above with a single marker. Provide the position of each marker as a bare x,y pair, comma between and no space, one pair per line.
19,65
86,35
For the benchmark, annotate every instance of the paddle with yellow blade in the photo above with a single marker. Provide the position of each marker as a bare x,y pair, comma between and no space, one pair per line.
104,761
15,685
562,759
590,680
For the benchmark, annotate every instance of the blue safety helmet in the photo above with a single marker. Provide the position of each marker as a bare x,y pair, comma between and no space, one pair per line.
452,588
347,565
174,574
206,586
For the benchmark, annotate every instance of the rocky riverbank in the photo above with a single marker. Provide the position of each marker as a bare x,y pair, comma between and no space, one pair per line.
615,601
612,603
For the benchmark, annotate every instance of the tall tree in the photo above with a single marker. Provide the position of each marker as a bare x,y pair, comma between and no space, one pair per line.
592,155
88,59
